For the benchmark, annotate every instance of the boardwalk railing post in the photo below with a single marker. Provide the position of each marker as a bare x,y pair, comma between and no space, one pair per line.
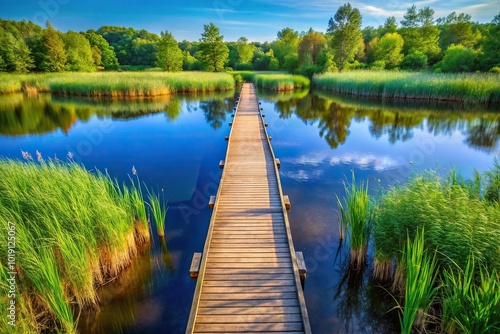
195,265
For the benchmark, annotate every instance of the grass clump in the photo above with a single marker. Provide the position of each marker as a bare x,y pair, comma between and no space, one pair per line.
159,211
420,290
464,87
74,231
356,213
471,301
281,82
461,222
117,84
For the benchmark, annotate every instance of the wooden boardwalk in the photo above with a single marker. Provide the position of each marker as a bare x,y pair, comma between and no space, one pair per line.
248,279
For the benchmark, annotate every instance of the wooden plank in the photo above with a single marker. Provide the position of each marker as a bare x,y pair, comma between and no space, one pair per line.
253,310
251,289
211,202
195,265
249,303
248,318
255,327
260,283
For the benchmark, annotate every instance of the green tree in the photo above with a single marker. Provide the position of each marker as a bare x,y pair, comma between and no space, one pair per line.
79,53
389,50
458,58
108,56
169,57
414,61
345,29
14,53
54,55
285,46
457,29
310,47
245,50
213,52
491,46
420,34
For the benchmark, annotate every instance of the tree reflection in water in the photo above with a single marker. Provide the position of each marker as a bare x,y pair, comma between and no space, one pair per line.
395,119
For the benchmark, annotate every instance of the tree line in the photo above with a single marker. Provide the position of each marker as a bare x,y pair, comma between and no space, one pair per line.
449,44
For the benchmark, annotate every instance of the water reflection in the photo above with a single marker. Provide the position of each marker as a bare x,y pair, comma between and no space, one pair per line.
397,121
21,115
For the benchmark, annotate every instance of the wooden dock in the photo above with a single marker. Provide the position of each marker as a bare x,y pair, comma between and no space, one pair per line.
248,280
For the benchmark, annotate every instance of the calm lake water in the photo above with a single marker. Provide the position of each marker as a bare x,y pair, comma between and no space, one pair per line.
175,143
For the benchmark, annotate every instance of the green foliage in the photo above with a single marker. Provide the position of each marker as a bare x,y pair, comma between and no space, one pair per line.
132,47
213,52
357,213
169,57
281,82
245,51
345,30
414,61
285,46
457,223
457,29
458,58
389,50
420,290
159,210
15,55
472,88
116,84
74,230
310,47
492,184
471,300
491,46
108,56
79,53
54,55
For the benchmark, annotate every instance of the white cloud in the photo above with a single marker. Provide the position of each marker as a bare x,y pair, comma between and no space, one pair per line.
360,160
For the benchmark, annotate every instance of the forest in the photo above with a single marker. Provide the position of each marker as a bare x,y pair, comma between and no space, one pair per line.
419,41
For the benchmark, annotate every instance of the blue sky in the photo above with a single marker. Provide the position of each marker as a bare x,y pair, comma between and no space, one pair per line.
258,20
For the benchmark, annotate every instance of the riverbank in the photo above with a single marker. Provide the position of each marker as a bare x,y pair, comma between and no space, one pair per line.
116,84
468,88
273,81
71,231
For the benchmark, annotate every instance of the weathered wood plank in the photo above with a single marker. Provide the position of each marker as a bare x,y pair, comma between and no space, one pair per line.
255,327
195,265
249,318
253,310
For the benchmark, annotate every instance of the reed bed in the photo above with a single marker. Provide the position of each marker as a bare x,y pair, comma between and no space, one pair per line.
117,84
281,82
159,211
469,88
456,220
74,231
420,288
471,305
356,213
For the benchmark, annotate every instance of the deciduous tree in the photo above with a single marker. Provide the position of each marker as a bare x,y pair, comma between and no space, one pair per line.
54,55
169,57
213,52
345,29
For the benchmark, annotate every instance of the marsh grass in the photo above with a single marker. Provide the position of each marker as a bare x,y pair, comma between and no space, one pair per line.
421,289
117,84
457,222
75,230
159,211
356,218
281,82
470,88
471,300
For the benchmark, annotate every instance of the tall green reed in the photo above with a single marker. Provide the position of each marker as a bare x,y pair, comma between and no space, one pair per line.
421,289
356,218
